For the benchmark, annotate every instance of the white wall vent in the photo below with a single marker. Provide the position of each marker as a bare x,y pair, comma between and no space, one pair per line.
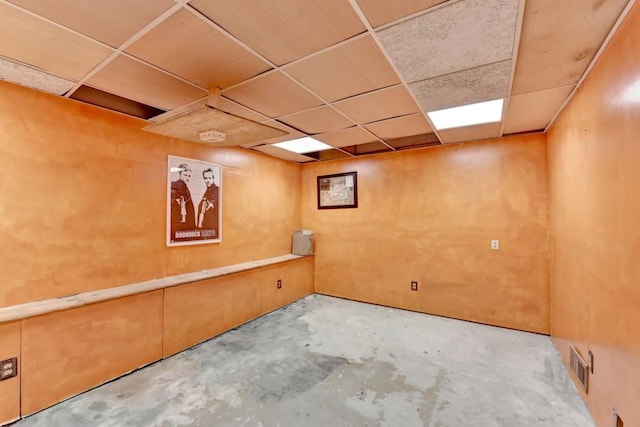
579,367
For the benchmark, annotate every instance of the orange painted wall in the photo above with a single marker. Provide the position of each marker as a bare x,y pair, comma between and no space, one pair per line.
68,352
83,200
594,167
10,388
198,311
429,215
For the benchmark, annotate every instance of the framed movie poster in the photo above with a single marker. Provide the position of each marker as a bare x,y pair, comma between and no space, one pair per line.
194,196
338,191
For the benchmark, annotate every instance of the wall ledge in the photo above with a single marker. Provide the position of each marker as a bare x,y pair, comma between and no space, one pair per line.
38,308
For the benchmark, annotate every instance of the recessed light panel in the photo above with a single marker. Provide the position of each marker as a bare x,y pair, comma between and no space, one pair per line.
303,145
467,115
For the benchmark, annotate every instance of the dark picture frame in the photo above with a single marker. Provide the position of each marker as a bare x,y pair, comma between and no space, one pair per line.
338,191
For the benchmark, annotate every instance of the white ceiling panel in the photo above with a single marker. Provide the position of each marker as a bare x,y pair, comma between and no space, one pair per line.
14,72
534,111
471,133
478,84
283,154
455,37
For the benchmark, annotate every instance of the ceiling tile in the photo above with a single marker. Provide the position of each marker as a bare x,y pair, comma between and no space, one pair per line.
144,84
283,154
333,154
414,124
352,68
41,44
346,137
471,133
381,104
534,111
292,133
237,109
380,12
24,75
318,120
111,22
478,84
273,95
284,30
559,39
414,141
194,50
370,148
455,37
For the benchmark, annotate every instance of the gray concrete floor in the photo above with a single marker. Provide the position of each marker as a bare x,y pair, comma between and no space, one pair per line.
324,361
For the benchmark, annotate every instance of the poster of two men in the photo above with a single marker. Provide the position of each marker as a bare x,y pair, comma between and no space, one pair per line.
193,202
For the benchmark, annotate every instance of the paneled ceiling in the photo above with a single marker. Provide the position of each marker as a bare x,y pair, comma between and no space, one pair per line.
359,75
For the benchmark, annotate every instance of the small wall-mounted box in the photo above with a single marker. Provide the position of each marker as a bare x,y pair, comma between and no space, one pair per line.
302,242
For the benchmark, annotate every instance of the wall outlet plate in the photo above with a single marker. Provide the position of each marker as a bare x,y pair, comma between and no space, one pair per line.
8,368
495,245
414,286
279,284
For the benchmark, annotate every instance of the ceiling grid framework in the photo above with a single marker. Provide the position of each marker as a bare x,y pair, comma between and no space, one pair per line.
359,75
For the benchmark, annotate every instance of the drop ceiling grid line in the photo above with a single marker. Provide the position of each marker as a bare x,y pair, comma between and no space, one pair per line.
296,61
514,60
366,23
280,69
414,15
603,46
157,21
155,67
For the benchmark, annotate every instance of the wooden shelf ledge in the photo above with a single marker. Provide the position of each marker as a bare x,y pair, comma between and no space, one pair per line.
38,308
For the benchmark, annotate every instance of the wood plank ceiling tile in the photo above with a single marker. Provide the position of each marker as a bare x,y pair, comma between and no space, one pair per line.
144,84
187,46
36,42
379,12
534,111
111,22
355,67
559,40
413,124
454,37
379,105
284,30
471,133
273,95
318,120
346,137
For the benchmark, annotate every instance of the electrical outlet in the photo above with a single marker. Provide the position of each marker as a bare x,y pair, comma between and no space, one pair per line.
8,368
495,245
414,286
279,284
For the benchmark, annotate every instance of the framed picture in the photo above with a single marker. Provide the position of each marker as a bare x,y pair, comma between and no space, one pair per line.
338,191
194,196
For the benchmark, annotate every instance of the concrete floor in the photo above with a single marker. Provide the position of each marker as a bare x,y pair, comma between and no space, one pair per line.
329,362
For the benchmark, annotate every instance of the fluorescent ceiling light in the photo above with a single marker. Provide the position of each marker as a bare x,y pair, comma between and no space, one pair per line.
467,115
303,145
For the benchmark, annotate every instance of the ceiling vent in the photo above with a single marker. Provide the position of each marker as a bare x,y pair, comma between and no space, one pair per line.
212,136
